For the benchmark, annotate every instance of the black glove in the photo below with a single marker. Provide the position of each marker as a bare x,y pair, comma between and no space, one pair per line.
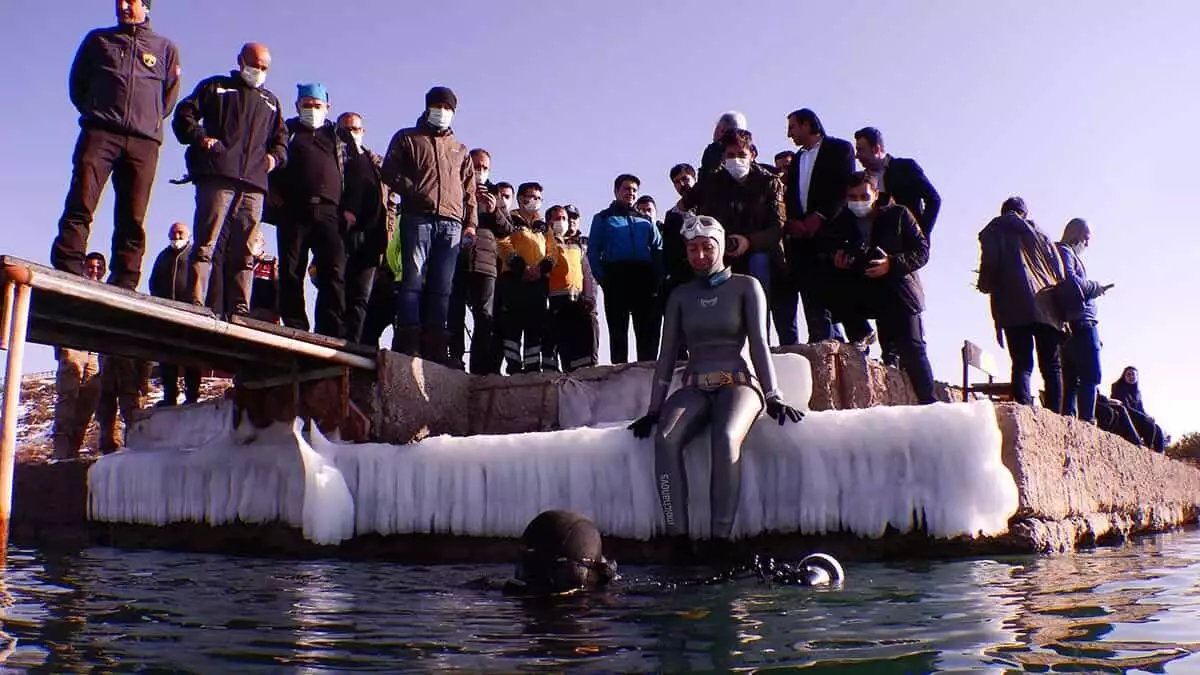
778,410
644,425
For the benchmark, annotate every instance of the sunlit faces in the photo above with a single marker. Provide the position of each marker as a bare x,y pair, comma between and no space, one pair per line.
702,253
131,11
684,182
627,192
870,156
799,132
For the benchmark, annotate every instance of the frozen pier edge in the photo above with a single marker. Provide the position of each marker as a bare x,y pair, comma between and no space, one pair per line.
868,480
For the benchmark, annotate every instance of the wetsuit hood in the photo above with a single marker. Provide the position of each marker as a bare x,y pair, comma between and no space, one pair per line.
562,551
705,226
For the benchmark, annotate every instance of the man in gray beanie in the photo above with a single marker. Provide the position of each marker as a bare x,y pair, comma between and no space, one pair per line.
434,176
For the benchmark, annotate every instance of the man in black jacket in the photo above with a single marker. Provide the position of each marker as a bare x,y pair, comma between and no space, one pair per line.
364,214
124,81
312,189
898,179
714,154
234,131
169,279
815,192
875,250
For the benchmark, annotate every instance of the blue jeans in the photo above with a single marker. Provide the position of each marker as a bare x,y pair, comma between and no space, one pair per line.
429,250
1081,371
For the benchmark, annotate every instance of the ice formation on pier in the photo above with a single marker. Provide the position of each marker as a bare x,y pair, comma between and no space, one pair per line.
854,470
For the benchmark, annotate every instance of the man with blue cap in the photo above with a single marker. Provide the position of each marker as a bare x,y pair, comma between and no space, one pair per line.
309,192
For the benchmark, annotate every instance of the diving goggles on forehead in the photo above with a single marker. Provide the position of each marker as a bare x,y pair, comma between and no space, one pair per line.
708,227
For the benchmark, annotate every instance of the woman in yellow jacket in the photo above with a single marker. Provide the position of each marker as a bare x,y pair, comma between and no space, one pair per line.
527,257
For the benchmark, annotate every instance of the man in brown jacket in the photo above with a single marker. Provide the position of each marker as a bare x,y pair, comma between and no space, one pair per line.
434,176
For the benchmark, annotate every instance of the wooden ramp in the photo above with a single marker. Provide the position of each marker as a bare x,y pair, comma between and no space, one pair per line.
69,311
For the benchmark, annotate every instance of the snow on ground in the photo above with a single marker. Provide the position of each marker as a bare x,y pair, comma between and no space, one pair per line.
858,470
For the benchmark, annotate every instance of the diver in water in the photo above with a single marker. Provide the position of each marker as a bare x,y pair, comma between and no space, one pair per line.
561,552
716,315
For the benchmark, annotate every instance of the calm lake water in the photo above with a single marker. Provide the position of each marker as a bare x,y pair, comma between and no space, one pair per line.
1129,609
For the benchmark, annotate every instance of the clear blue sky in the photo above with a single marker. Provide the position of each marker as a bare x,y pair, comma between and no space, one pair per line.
1084,109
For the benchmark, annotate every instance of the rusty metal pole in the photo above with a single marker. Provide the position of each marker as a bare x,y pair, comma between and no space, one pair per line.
8,419
10,291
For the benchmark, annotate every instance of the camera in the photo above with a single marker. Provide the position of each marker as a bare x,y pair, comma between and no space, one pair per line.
860,255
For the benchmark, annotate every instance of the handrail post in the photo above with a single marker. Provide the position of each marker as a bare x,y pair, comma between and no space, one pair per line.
19,324
6,313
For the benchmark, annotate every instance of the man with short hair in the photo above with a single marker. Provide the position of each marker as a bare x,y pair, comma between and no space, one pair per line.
676,269
124,82
169,280
898,179
475,279
364,215
588,298
646,206
313,189
234,131
567,343
77,383
710,162
528,256
625,255
507,195
876,249
435,178
1081,351
783,161
815,193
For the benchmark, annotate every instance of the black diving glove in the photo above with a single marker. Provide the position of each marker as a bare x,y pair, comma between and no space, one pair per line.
782,412
644,425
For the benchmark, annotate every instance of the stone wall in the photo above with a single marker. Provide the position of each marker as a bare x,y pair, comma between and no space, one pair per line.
1080,486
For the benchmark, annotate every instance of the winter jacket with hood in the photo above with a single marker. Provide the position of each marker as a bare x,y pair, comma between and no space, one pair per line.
433,174
531,244
1084,291
567,277
1019,268
125,79
247,124
620,234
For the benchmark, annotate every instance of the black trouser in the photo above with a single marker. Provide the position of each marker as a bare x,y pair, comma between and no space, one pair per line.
477,291
568,339
906,333
362,261
315,228
525,302
131,162
629,293
1021,342
784,300
1115,419
381,306
1147,428
170,384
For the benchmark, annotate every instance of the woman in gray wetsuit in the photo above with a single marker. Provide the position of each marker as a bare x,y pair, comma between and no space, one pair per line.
715,314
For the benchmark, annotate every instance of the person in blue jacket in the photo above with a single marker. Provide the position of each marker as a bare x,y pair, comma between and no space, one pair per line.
625,256
1081,351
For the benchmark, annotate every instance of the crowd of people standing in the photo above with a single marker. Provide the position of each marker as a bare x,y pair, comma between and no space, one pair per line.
421,236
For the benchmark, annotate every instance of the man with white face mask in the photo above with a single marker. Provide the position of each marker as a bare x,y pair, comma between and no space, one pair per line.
364,215
747,199
567,344
313,190
434,176
234,131
875,249
169,279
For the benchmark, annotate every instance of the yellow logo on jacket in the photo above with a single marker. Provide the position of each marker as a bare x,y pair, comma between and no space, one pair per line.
150,60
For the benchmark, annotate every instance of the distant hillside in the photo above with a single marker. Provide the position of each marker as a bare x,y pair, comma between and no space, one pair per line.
35,427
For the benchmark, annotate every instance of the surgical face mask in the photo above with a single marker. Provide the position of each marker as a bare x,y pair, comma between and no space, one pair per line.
253,76
859,209
178,244
358,138
738,167
439,118
530,205
483,176
560,227
313,117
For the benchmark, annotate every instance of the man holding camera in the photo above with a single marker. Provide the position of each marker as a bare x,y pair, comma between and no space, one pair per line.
876,249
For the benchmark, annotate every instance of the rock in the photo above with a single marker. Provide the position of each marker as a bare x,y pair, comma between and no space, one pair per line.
415,399
1080,485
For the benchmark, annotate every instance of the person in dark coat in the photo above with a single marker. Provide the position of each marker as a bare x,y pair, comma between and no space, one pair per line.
875,250
815,192
714,154
1081,351
169,279
364,219
898,179
1125,393
123,82
1019,267
235,134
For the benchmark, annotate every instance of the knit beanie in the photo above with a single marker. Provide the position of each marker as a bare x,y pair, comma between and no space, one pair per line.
442,96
